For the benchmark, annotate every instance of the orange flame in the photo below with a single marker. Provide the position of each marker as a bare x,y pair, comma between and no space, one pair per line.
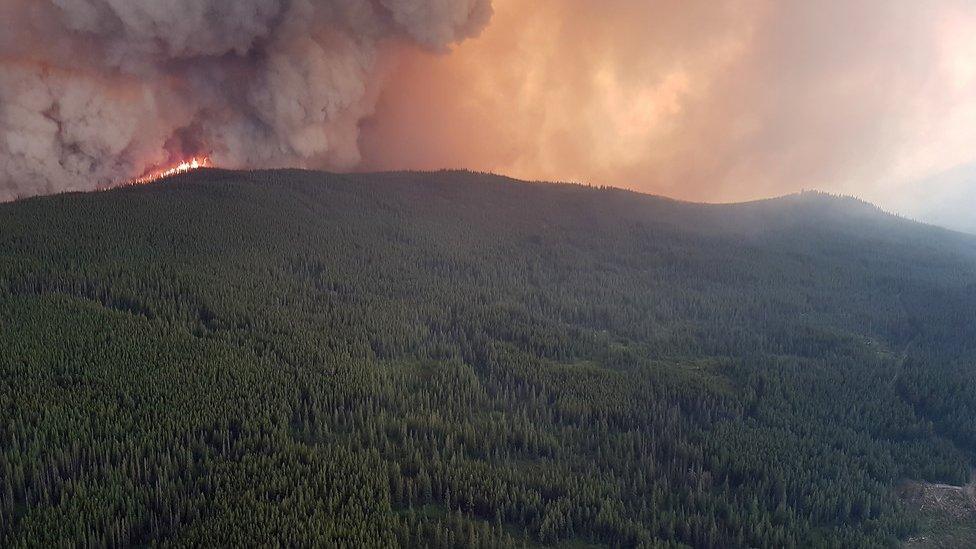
182,167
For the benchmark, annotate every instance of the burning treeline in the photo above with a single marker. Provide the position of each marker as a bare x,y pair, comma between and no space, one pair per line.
94,92
160,173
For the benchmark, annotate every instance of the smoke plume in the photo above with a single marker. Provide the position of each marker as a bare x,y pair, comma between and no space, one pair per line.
721,100
96,92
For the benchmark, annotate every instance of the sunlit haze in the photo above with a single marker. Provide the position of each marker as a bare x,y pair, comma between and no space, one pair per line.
707,101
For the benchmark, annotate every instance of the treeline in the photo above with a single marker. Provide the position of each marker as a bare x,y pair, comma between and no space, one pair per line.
455,359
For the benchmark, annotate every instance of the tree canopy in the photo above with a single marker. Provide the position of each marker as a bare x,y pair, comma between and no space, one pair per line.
458,359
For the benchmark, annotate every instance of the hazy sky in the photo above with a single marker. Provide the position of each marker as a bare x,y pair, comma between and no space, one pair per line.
702,100
712,101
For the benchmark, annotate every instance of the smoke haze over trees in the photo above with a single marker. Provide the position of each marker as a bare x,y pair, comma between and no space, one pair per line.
706,101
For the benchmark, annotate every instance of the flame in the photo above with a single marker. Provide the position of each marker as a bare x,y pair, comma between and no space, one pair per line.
183,167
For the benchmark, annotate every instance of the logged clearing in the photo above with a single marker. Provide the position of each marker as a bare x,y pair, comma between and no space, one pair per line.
948,514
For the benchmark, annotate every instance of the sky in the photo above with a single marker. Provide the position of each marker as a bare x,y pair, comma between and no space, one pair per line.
714,101
706,101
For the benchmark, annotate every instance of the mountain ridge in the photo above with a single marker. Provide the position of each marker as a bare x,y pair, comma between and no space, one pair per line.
387,359
811,200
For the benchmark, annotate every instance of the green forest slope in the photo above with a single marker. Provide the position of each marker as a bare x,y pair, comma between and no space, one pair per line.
457,359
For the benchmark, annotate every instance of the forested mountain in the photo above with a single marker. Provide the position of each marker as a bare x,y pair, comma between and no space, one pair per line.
456,359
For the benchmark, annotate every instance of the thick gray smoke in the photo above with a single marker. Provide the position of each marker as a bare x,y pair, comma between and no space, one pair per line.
95,92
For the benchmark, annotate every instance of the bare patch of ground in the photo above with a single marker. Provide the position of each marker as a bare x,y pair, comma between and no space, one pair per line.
947,514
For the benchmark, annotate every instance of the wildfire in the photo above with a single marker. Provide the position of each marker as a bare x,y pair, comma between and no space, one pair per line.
182,167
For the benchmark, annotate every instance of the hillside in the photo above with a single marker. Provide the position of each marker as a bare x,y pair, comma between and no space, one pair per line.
462,359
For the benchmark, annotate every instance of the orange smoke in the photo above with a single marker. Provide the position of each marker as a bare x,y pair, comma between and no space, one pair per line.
712,101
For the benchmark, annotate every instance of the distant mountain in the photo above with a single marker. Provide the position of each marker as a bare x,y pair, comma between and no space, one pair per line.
459,359
947,199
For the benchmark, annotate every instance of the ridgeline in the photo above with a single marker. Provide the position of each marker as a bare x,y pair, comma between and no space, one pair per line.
459,359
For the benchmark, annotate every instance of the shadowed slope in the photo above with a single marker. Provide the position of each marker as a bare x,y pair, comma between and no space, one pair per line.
461,358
